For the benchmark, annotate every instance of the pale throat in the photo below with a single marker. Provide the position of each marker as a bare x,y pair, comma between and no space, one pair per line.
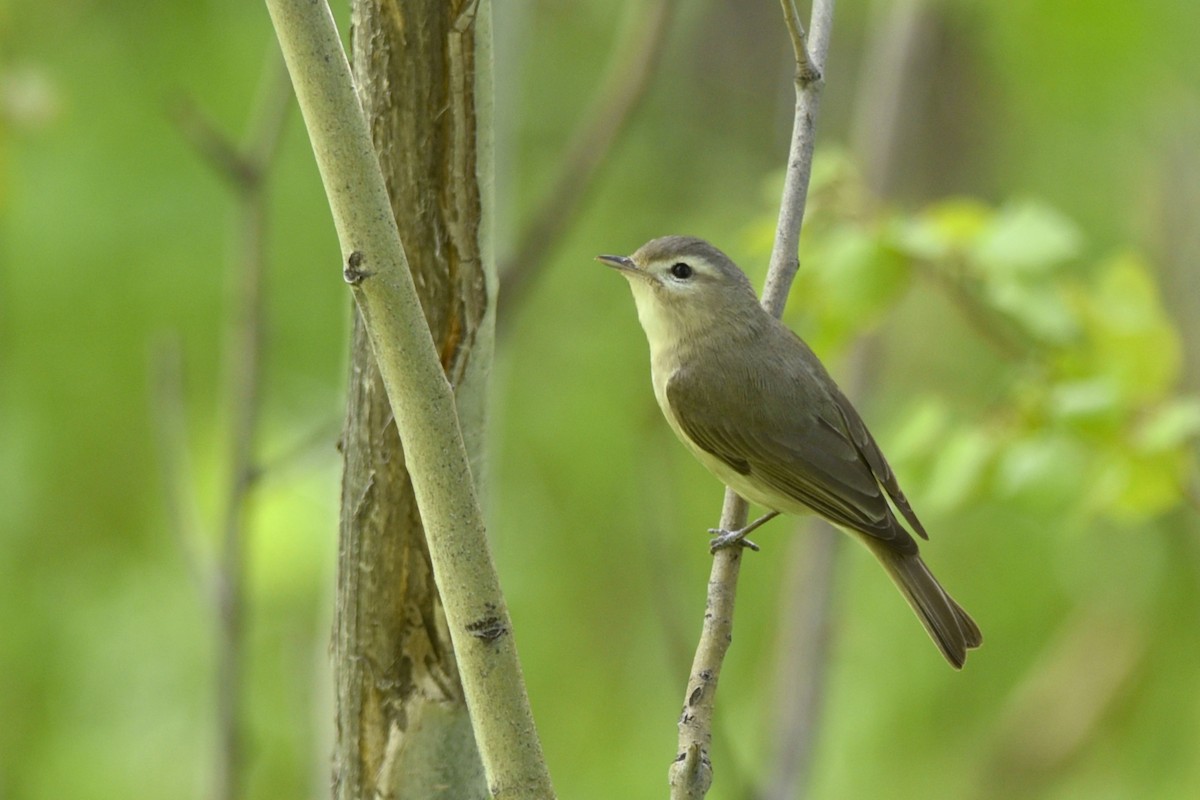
660,333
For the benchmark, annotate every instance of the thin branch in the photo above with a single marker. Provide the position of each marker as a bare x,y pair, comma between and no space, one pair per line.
243,404
221,154
377,270
245,167
898,35
806,70
785,260
691,773
661,560
630,68
269,114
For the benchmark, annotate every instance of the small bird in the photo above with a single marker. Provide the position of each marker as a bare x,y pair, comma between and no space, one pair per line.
757,408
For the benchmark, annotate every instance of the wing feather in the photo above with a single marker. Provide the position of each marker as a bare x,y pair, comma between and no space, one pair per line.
808,449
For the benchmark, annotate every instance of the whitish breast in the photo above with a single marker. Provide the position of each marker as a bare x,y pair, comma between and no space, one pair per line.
663,366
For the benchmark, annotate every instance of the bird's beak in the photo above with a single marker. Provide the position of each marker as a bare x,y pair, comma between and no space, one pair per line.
623,263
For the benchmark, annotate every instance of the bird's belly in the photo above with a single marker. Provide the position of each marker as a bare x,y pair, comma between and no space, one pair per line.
747,486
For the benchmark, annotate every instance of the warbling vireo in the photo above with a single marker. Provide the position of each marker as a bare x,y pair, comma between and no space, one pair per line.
754,404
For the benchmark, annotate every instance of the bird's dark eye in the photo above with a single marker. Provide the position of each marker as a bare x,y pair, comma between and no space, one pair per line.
681,270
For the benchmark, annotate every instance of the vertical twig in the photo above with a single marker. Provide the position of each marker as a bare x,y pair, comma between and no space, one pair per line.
810,67
245,166
691,772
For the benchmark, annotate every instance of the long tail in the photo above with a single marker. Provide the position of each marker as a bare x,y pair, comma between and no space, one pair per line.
951,628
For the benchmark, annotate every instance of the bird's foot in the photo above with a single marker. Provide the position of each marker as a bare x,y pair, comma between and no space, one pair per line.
723,538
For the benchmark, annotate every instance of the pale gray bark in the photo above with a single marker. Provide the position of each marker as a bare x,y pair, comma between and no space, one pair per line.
381,738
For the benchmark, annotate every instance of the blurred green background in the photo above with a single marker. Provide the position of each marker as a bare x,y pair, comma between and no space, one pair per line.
1021,250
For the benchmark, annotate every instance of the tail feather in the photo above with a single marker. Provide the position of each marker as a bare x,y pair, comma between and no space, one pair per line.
950,627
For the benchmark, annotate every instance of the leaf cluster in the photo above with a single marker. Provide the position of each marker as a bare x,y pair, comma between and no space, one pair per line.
1088,417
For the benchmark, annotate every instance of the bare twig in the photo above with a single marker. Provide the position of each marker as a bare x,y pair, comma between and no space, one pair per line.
662,562
245,167
785,259
270,112
806,70
244,360
691,772
626,80
221,154
242,165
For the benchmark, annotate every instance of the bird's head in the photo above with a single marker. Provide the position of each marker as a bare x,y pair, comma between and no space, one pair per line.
685,287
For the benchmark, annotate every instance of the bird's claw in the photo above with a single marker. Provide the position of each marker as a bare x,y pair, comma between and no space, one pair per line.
723,539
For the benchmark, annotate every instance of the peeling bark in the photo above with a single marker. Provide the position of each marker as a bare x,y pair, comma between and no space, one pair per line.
402,725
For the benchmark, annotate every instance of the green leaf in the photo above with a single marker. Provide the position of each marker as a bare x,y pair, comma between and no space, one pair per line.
1088,399
1173,424
960,468
1038,307
1140,485
1027,238
1130,336
924,426
858,276
941,230
1047,468
831,166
